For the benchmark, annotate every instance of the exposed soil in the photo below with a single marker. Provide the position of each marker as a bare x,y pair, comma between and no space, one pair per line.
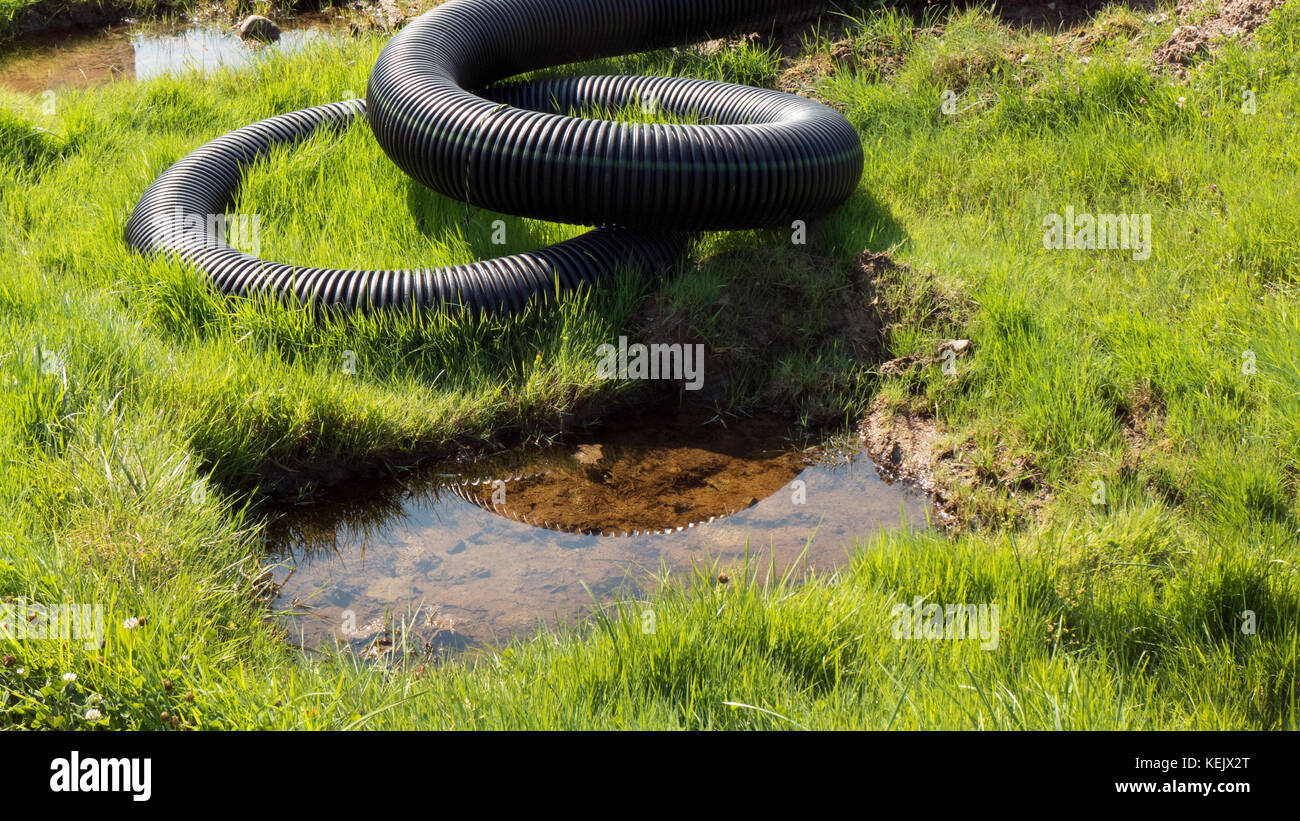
1142,419
902,297
912,446
904,446
1142,424
906,440
1119,27
1235,19
801,71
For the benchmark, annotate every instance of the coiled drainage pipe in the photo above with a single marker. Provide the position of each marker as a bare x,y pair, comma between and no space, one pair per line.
436,105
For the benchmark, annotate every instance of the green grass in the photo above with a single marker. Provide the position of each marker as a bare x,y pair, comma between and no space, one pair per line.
137,410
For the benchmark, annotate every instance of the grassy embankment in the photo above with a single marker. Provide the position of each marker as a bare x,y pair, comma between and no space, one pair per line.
137,408
20,16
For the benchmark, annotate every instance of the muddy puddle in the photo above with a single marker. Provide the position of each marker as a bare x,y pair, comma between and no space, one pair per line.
137,51
464,555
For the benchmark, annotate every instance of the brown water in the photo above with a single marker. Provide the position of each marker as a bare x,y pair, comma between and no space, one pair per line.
135,51
463,555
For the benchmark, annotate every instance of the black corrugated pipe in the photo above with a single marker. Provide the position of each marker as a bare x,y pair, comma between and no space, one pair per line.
435,103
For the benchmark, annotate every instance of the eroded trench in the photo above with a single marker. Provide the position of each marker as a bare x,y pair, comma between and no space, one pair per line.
467,554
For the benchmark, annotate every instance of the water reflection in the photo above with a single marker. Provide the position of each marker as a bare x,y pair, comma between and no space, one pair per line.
134,52
477,563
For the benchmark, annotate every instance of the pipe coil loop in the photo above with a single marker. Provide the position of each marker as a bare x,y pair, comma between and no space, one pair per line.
436,103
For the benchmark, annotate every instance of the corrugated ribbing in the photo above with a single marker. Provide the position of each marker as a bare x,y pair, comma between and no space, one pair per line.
750,158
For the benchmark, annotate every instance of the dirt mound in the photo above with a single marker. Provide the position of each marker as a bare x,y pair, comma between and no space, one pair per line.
913,446
1235,19
801,70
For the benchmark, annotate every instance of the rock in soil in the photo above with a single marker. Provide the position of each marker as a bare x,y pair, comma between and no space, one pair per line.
258,28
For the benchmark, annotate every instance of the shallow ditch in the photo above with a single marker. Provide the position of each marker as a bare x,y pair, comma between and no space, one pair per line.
461,555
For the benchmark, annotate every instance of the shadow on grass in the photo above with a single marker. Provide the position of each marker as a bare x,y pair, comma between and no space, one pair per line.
488,233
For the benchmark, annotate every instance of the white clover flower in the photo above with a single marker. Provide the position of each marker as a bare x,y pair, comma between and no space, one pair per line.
69,677
93,715
1182,102
130,623
22,671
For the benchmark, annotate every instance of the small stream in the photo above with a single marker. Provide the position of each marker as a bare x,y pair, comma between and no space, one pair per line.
464,555
139,51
